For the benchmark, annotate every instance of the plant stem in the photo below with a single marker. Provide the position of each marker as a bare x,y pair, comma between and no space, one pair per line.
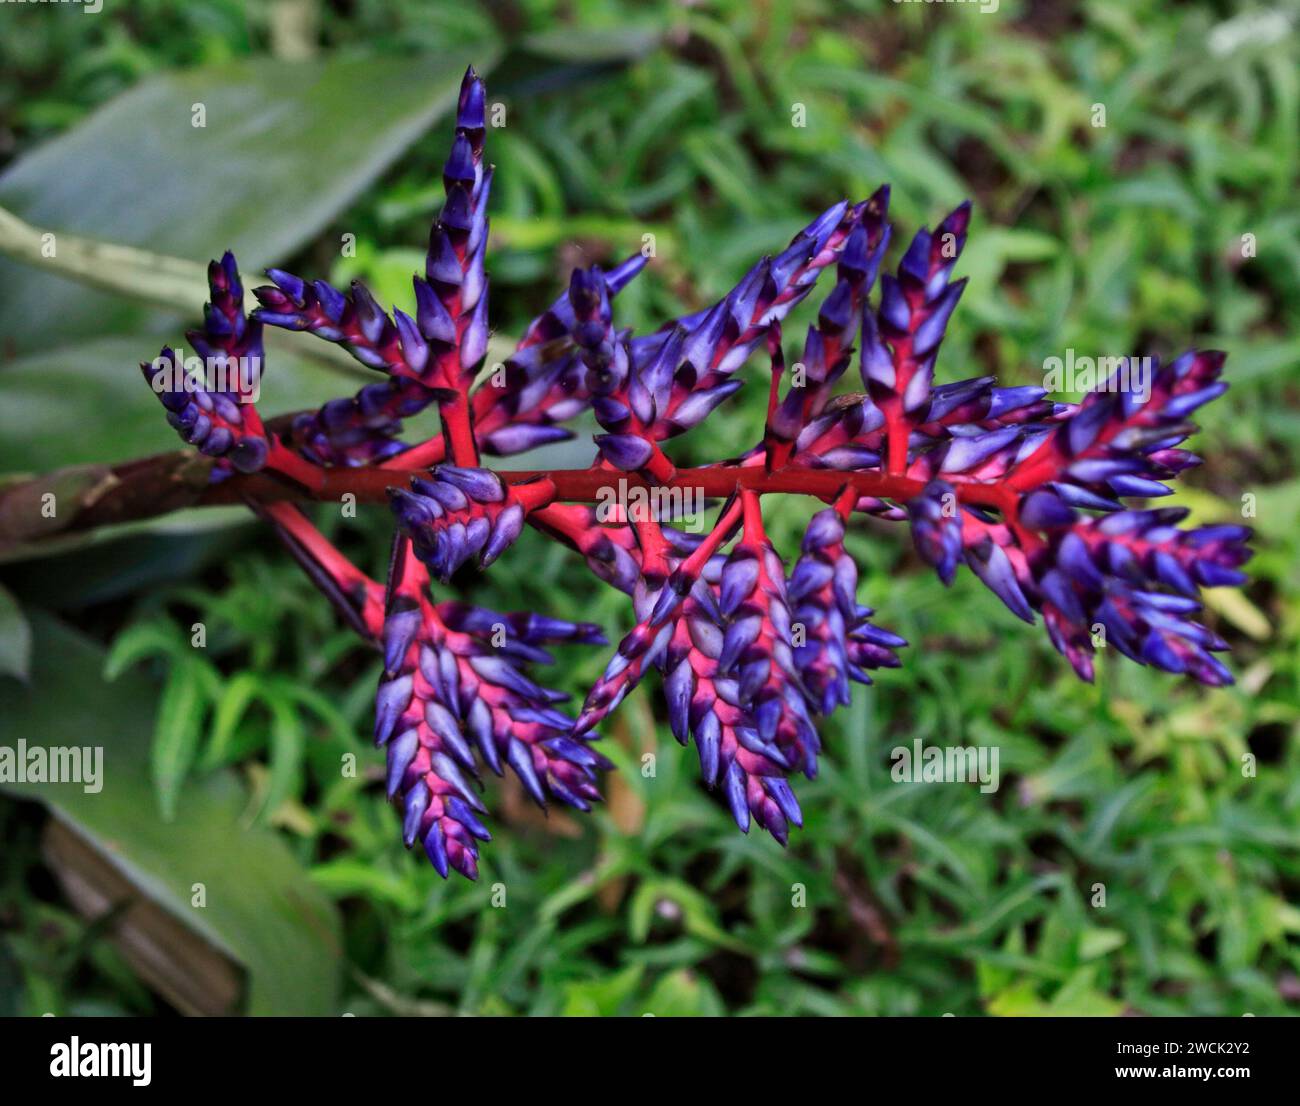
457,431
168,482
588,485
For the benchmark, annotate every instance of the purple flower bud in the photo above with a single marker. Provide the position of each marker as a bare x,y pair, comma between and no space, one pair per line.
624,451
739,578
937,528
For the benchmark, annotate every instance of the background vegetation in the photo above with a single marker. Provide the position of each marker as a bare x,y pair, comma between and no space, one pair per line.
673,119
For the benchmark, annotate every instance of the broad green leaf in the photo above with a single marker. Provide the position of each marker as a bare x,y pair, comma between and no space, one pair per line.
15,638
72,570
1018,1001
89,403
989,252
284,147
536,232
261,907
201,525
155,278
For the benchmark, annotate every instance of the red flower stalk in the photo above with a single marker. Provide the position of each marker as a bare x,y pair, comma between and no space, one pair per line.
1030,494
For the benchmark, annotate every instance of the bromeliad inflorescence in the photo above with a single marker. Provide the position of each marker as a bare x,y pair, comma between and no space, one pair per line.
1028,493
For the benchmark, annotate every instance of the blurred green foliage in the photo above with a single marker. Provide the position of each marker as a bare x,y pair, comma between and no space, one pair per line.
1127,237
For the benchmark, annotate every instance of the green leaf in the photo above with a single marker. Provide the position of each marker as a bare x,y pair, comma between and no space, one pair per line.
89,404
15,638
285,147
683,994
181,710
80,567
601,998
170,282
235,699
1096,941
593,46
287,741
344,878
325,710
138,642
698,913
261,907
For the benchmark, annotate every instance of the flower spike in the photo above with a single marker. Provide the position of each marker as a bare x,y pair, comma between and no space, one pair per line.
1049,504
212,405
460,513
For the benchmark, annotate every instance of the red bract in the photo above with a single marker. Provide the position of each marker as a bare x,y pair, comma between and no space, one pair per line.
1028,493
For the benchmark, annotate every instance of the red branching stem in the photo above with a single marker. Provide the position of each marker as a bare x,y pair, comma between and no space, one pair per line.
281,459
359,598
425,455
534,495
753,509
777,357
573,525
659,468
776,453
412,578
1027,539
591,485
845,501
654,546
457,431
693,564
297,526
897,431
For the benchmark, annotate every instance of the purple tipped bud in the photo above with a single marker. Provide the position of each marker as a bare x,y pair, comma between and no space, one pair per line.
733,786
401,751
473,99
739,578
624,451
1042,510
415,804
391,701
481,485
